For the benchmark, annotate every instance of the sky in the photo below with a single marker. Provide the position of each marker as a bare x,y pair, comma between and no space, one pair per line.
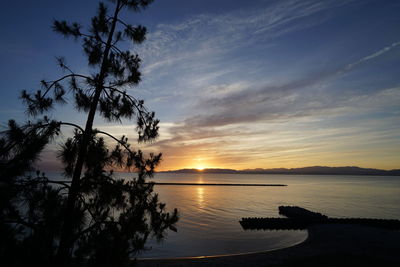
235,84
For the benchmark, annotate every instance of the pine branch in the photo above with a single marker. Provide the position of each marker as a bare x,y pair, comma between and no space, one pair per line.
71,124
53,83
117,140
136,34
113,46
52,124
138,104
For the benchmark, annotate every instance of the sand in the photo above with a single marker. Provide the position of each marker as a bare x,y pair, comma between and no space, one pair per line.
326,245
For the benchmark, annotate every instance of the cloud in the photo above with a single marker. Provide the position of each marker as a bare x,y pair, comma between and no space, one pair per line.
203,53
291,143
295,99
372,56
303,116
230,106
202,36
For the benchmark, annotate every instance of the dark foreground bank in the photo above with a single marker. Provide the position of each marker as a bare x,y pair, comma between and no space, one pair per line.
326,245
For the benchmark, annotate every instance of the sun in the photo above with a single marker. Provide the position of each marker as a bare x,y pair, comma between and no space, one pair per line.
200,168
199,164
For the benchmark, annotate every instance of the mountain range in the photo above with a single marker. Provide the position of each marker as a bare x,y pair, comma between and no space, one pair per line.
317,170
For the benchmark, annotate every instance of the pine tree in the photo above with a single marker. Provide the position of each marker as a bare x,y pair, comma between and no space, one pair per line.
103,221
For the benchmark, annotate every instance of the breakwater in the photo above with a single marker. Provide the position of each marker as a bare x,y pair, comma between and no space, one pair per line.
300,218
218,184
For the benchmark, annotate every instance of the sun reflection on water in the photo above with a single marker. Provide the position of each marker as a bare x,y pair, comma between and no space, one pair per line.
200,197
200,179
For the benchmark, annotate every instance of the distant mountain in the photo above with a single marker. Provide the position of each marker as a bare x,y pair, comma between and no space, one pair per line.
349,170
202,171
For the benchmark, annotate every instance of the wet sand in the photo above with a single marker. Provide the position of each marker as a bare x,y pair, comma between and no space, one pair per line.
329,245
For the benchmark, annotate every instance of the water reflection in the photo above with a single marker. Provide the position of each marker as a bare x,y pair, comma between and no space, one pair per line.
200,198
200,179
210,215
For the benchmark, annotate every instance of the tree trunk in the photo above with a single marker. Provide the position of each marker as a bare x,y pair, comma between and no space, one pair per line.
67,238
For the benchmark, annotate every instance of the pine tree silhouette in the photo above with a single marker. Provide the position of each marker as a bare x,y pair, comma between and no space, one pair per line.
92,218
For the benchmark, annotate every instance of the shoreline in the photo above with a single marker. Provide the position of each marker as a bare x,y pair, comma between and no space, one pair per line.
323,242
224,255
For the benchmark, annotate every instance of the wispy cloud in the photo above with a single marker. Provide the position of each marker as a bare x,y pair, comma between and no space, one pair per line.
299,98
240,114
211,34
372,56
227,104
187,59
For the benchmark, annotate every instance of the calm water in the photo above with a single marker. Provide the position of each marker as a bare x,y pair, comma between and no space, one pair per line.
210,214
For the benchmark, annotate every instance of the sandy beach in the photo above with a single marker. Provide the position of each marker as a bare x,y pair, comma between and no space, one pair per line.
326,245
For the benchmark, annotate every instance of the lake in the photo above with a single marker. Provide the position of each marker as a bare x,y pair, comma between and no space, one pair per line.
209,215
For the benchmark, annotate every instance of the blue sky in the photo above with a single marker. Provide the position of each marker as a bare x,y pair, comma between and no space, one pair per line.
237,84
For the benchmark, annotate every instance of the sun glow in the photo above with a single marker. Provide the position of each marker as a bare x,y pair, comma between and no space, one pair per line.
199,164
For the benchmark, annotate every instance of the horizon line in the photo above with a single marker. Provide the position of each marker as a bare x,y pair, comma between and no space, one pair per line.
279,168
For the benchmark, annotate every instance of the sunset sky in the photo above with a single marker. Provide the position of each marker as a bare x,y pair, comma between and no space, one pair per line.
236,84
